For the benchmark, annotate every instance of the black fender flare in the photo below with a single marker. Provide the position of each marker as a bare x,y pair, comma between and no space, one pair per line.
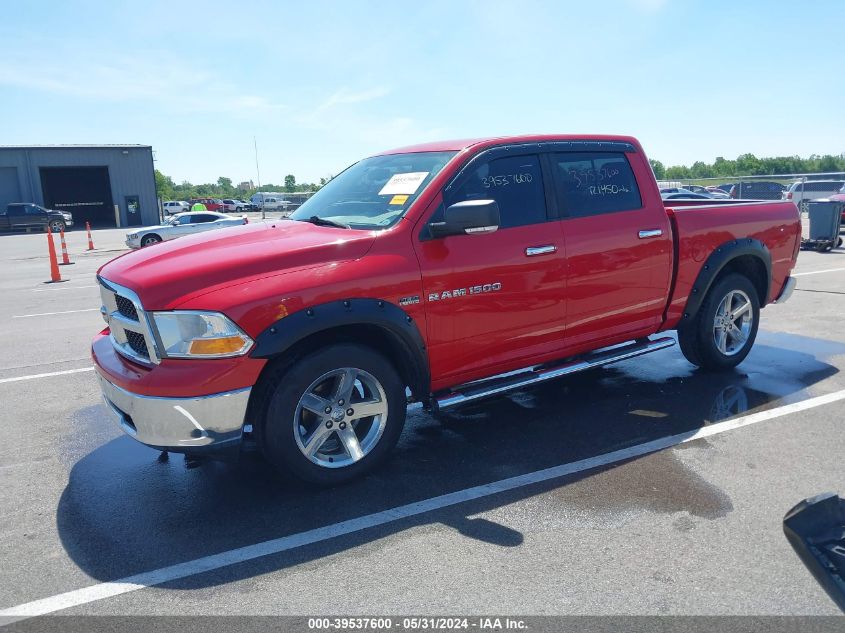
399,328
716,262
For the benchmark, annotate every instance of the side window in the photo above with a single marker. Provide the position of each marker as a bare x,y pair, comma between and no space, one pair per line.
515,182
592,183
187,219
204,217
31,209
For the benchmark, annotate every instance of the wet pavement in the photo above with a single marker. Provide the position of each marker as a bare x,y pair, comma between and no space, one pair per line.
691,529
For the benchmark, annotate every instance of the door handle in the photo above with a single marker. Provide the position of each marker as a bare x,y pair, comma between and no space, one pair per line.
533,251
650,233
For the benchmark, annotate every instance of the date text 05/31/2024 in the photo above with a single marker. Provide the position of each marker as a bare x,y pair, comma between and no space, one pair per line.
416,623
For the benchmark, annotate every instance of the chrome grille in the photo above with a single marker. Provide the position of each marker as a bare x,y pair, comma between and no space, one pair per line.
137,343
131,331
126,307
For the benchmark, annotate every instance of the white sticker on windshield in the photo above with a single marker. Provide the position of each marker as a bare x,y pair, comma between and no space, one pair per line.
403,184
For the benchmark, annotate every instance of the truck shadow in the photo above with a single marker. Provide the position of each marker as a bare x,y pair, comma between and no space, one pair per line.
124,512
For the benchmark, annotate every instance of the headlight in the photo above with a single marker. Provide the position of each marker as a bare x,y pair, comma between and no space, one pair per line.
132,236
186,334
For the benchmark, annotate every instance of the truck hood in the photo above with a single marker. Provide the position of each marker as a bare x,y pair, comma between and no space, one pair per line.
169,273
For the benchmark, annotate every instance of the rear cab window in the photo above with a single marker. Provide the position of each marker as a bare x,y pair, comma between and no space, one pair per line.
594,183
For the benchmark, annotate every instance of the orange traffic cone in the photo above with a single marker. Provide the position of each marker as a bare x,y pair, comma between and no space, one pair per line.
90,241
55,275
65,258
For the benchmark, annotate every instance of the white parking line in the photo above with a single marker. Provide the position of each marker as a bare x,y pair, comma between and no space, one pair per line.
26,316
818,272
47,375
275,546
62,288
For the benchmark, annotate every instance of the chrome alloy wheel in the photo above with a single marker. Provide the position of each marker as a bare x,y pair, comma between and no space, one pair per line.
340,418
56,226
733,322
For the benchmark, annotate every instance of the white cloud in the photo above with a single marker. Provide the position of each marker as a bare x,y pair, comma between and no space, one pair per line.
145,76
345,96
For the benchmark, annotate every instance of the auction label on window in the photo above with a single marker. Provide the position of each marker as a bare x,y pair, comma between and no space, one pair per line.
400,184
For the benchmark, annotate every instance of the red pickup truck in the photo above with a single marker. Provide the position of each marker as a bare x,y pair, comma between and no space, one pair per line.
430,276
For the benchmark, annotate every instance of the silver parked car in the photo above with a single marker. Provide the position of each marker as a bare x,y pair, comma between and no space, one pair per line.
179,225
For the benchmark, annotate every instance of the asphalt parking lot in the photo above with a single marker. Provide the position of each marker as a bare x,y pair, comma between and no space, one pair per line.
694,528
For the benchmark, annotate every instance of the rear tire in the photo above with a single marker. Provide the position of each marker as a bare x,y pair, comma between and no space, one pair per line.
721,335
311,428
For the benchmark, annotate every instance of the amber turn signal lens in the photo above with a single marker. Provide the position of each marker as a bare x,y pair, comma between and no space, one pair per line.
216,346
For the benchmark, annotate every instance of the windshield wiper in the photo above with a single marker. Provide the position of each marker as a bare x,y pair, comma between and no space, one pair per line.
316,219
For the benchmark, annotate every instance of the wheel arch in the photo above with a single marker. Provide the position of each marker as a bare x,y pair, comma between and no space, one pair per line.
747,256
373,322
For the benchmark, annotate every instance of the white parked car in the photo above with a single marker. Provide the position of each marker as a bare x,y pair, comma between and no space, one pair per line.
270,201
172,207
234,205
800,192
179,225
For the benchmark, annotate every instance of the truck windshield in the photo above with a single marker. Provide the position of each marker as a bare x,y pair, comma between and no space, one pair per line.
374,193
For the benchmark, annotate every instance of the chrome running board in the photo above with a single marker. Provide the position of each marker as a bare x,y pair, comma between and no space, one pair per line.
540,373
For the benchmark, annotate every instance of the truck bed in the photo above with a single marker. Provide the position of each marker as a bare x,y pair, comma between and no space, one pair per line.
699,229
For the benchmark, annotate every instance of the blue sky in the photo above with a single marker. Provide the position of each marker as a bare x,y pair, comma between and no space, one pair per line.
322,84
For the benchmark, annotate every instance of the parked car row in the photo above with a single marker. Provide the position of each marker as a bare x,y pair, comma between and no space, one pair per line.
226,205
692,192
798,192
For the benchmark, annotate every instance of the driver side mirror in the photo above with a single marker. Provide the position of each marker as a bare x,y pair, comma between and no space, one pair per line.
468,217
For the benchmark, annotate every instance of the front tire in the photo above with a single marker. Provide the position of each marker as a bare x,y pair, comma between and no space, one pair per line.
723,332
56,226
149,240
333,415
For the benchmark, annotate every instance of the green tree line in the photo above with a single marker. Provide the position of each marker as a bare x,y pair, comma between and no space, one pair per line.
750,165
743,165
224,188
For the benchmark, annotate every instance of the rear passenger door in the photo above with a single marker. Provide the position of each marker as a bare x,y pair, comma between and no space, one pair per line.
16,213
618,246
494,298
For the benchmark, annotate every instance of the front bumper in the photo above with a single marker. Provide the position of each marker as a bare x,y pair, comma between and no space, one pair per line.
788,287
187,425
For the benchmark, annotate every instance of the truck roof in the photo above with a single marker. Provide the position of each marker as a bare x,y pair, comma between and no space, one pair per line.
458,145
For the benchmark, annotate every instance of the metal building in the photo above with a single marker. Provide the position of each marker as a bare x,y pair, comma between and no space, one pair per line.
106,185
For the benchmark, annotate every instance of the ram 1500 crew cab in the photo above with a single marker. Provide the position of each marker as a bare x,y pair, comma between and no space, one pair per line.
432,276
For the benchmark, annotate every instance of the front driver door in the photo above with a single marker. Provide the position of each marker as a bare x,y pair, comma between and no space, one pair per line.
36,217
494,300
184,225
